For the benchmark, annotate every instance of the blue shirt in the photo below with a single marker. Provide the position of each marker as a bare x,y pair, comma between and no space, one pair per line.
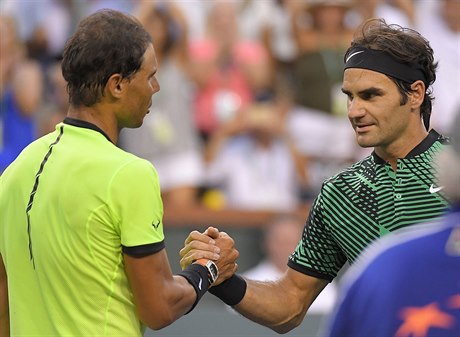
411,288
18,131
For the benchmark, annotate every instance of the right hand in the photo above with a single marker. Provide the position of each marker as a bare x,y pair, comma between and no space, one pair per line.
213,245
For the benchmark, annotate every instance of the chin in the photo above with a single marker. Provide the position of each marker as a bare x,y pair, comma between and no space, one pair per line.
364,141
135,125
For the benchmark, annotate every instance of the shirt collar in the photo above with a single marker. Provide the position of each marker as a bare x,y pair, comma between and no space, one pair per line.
424,145
84,124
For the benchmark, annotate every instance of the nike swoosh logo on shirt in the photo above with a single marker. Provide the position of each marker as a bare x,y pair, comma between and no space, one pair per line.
434,189
355,53
199,284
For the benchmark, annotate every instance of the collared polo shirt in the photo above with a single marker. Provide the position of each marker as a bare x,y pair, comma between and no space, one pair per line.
366,201
71,204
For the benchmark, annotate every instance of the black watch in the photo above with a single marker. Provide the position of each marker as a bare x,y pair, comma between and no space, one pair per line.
213,271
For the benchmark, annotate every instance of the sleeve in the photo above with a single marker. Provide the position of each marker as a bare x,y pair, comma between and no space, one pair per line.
136,204
318,254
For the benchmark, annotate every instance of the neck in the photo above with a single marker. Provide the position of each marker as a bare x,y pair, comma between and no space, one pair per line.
400,148
94,116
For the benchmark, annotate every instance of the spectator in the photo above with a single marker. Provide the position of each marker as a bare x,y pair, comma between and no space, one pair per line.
318,118
44,26
272,23
230,73
408,284
19,103
253,161
321,45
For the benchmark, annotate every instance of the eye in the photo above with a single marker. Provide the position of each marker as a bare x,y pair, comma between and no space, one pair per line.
367,96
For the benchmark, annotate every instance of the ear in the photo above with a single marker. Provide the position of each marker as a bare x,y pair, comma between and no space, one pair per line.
115,85
417,95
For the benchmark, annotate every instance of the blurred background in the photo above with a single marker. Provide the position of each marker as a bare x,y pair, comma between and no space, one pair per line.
249,121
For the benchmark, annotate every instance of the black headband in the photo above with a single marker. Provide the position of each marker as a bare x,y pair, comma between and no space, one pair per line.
382,62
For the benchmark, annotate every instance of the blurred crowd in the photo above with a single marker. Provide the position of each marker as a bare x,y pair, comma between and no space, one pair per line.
250,114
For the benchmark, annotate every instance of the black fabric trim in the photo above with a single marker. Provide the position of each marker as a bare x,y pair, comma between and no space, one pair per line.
309,272
377,159
84,124
429,140
424,145
34,191
144,250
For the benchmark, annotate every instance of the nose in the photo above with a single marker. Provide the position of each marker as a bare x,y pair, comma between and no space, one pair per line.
154,85
355,109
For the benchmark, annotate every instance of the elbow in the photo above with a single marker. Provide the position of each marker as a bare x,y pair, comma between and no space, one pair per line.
290,324
159,320
285,328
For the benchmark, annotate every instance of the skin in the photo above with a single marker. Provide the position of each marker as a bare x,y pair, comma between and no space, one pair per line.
378,118
379,121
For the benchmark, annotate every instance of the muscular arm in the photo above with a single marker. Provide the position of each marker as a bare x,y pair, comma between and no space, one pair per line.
160,296
4,310
280,305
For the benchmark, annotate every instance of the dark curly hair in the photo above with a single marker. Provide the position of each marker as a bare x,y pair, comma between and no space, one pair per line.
408,47
105,43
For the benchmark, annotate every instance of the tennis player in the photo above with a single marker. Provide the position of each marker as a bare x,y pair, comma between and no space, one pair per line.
388,75
82,248
409,284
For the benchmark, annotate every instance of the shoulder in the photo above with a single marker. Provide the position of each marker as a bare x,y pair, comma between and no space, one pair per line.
354,172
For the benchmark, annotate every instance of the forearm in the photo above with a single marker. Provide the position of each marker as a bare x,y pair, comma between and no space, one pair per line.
161,297
175,300
273,305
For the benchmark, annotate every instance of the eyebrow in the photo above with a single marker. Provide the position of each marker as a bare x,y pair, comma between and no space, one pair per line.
371,90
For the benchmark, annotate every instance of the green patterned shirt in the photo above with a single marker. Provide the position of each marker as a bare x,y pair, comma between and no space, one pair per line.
363,203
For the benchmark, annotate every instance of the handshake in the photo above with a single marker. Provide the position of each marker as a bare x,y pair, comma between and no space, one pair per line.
212,245
216,251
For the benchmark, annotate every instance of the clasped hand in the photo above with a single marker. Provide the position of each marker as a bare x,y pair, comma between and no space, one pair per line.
213,245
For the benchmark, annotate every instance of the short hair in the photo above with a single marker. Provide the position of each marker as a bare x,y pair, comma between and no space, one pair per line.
408,47
105,43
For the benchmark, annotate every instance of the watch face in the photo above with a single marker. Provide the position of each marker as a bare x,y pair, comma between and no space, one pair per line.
213,270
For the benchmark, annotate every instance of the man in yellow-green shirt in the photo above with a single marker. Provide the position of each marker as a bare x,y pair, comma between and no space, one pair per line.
81,232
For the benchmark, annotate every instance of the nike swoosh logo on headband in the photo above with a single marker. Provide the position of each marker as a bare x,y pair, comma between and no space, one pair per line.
355,53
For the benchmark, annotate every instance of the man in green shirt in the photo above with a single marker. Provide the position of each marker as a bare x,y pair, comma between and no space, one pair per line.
81,230
387,77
